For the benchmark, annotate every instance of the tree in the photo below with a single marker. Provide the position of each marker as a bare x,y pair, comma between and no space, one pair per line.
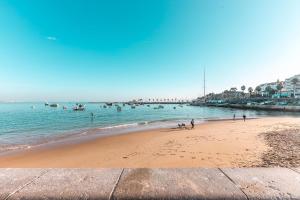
279,87
250,90
295,82
258,88
243,88
269,90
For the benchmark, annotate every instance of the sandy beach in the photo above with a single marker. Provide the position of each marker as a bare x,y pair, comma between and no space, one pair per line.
256,142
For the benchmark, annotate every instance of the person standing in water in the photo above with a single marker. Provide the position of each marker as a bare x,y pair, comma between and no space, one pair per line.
92,116
193,123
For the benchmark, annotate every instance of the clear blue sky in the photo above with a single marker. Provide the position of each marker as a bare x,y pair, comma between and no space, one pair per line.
94,50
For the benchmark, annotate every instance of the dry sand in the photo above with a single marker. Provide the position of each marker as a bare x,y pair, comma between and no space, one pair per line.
211,144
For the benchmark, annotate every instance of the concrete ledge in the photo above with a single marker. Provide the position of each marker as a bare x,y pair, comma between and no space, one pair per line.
265,183
176,184
194,183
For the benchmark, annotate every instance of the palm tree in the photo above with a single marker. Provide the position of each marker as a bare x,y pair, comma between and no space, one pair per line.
243,88
258,89
279,87
250,90
295,82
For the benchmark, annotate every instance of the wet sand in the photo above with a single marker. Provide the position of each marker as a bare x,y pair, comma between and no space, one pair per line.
212,144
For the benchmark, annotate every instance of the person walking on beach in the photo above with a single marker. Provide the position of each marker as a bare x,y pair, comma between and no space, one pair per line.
244,117
233,116
193,123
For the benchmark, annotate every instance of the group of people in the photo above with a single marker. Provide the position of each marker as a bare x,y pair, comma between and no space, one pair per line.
183,124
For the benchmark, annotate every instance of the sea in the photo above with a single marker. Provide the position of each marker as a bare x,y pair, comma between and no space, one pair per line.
26,125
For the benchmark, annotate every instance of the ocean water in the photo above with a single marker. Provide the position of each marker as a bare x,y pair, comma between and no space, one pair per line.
23,125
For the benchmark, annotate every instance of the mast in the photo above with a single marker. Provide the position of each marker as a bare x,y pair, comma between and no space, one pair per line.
204,82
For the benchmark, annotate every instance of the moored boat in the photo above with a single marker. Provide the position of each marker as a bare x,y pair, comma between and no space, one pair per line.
54,105
119,109
79,107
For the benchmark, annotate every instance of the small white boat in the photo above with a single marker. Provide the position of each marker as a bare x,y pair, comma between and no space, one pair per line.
80,107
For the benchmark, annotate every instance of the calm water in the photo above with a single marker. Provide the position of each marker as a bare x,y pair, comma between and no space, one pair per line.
22,126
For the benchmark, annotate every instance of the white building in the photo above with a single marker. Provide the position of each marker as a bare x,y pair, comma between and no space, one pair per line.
290,87
263,87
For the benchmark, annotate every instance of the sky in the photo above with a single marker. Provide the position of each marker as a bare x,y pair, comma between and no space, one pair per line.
118,50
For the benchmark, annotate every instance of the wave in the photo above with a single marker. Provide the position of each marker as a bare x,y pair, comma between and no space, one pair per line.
118,126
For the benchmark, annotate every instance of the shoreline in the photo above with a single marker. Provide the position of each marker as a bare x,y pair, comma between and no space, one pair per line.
90,134
225,143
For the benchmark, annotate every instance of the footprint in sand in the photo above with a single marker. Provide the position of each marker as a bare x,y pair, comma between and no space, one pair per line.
193,157
125,157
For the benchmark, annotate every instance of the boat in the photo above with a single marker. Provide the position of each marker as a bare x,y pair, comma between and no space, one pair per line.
104,106
109,104
160,107
119,109
80,107
54,105
133,107
46,104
